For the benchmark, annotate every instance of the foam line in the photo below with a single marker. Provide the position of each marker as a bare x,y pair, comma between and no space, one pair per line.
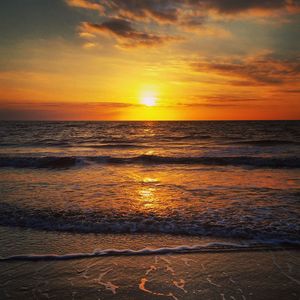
184,249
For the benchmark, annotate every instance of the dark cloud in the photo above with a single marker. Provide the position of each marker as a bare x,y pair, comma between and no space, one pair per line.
171,11
87,105
214,105
234,6
126,35
292,91
223,100
207,105
187,15
26,110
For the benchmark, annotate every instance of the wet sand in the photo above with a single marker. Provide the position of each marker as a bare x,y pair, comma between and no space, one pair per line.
236,275
264,275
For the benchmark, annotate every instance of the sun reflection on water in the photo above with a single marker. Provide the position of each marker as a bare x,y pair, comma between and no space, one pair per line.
148,198
147,194
150,180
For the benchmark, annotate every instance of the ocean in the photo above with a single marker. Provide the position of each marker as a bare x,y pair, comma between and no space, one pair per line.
86,189
225,179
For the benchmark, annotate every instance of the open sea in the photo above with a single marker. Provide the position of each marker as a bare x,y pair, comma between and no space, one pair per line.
216,179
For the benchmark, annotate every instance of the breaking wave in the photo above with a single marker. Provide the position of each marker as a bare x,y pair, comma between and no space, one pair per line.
205,224
53,162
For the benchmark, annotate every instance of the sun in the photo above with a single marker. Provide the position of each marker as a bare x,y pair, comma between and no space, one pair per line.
148,99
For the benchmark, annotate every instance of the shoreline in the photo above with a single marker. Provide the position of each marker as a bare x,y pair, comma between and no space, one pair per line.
264,275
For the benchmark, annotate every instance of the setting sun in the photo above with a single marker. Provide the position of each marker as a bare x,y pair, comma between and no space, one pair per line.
148,99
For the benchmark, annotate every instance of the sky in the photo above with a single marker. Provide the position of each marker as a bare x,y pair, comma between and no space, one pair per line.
149,60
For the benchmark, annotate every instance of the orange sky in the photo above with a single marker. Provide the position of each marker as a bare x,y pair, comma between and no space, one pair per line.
191,59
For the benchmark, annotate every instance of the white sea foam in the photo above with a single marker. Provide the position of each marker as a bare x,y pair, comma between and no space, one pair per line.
261,224
215,247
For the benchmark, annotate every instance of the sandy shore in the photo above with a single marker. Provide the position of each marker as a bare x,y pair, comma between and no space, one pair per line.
237,275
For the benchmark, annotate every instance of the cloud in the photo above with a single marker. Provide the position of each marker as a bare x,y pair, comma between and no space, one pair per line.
292,91
126,36
50,105
172,11
117,17
28,110
160,11
89,45
86,35
263,69
223,100
234,7
203,104
86,4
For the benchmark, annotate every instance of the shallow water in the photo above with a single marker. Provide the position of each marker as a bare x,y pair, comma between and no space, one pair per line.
208,275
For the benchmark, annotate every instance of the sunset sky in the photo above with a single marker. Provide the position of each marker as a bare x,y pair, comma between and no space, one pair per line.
152,59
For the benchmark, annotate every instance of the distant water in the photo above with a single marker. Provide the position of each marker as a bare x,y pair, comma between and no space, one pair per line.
216,179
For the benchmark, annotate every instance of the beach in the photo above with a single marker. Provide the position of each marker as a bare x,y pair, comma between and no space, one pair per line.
248,274
149,149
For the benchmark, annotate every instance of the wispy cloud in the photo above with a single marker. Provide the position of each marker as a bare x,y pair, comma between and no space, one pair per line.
172,11
86,4
235,7
128,37
262,69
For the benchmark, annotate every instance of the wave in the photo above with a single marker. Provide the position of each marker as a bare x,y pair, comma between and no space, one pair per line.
266,143
189,137
54,162
215,247
118,222
40,162
113,146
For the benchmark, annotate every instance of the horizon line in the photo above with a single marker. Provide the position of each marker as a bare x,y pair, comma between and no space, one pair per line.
171,120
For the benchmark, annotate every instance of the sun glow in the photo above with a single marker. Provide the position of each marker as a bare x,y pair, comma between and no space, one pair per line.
148,99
